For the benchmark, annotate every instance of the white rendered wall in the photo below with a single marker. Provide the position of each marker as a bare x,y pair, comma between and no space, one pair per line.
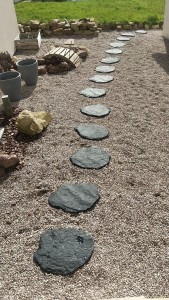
8,26
166,20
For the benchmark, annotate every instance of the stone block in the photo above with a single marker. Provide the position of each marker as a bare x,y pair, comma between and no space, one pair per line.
27,29
48,33
34,24
58,32
54,23
68,31
45,26
75,26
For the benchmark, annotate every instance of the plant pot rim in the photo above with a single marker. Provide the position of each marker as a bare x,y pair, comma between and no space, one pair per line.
7,75
26,62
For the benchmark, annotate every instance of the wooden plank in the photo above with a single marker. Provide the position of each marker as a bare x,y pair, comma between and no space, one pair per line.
69,42
69,54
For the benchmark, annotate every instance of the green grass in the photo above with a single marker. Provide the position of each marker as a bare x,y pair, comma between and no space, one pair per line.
102,10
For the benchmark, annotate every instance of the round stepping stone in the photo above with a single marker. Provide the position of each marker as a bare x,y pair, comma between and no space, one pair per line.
101,78
105,69
96,110
92,131
141,31
131,34
90,158
114,51
75,197
62,251
117,44
93,92
123,38
110,60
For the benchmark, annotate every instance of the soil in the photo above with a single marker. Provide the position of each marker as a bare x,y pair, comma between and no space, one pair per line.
130,223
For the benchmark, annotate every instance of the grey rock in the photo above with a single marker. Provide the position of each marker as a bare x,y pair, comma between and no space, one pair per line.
96,110
110,60
123,38
130,34
101,78
105,69
117,44
90,158
92,131
114,51
93,92
62,251
141,31
75,197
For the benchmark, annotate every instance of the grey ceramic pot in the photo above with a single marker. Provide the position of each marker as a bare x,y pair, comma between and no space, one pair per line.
29,70
10,84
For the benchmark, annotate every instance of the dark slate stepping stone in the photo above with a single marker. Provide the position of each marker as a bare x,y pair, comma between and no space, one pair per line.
101,78
75,197
62,251
141,31
90,158
117,44
123,38
92,131
105,69
130,34
96,110
114,51
110,60
93,92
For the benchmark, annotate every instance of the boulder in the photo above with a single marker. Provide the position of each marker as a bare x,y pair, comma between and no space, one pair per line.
34,24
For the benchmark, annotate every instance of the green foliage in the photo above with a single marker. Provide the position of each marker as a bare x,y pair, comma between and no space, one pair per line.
102,11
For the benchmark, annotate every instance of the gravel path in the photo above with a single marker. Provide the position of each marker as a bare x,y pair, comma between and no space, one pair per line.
130,223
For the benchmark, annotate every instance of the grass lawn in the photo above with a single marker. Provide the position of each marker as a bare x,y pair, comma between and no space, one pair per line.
102,10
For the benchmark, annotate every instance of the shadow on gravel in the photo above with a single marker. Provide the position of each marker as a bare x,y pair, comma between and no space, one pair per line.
163,58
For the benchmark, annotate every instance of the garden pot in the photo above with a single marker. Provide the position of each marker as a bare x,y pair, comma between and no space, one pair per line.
10,84
29,70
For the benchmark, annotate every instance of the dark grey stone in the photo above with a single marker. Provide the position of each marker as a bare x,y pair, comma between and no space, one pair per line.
75,197
93,92
105,69
114,51
101,78
90,158
141,31
97,110
92,131
62,251
117,44
110,60
123,38
130,34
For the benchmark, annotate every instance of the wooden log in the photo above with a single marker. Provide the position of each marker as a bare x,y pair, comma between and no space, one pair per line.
7,106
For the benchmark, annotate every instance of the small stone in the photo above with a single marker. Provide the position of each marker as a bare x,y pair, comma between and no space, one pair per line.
123,38
117,44
105,69
1,132
42,70
93,92
110,60
141,31
62,251
96,110
114,51
90,158
101,78
92,131
41,61
34,24
75,197
7,161
130,34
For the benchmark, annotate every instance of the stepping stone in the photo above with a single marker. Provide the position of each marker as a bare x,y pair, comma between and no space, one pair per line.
92,131
101,78
93,92
75,197
117,44
96,110
90,158
62,251
110,60
123,38
141,31
131,34
105,69
114,51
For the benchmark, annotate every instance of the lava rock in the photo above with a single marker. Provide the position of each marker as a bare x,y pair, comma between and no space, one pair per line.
7,161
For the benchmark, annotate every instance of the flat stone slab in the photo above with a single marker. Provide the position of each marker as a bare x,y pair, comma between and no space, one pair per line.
130,34
141,31
110,60
105,69
96,110
114,51
93,92
74,197
62,251
117,44
123,38
101,78
92,131
90,158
